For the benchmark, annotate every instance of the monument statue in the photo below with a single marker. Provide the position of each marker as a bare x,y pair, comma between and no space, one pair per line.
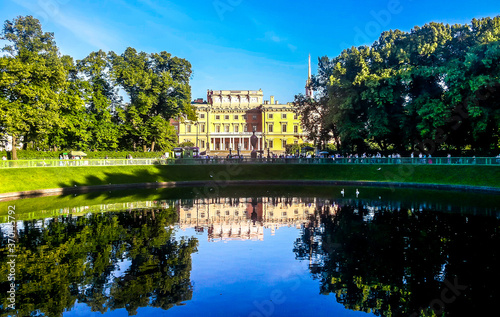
253,141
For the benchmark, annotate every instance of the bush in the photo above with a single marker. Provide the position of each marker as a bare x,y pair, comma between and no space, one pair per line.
122,154
34,155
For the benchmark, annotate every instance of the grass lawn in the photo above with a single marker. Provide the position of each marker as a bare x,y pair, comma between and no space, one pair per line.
23,179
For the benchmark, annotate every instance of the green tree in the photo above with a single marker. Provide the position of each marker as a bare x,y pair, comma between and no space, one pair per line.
103,104
431,88
314,112
32,81
72,259
158,88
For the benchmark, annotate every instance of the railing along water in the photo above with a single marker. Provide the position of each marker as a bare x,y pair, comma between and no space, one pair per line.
247,160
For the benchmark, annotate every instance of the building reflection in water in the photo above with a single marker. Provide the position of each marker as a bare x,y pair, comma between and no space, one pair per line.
246,218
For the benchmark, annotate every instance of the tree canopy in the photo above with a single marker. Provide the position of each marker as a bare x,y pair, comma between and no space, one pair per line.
435,87
106,101
75,259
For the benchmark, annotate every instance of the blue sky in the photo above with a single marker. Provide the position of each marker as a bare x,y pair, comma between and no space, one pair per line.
237,44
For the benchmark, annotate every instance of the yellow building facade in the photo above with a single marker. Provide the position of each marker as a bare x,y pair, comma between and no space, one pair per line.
228,118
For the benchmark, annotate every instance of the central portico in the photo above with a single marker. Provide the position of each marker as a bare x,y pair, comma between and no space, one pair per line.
232,117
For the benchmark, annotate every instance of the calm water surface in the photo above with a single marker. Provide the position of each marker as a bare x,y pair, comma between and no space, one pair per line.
305,251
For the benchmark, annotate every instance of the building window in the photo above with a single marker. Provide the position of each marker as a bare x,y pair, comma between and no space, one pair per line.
254,117
254,128
202,128
217,128
295,129
284,143
236,117
246,128
188,128
270,128
283,128
270,115
270,144
283,116
217,117
226,128
226,117
202,116
236,128
295,116
202,143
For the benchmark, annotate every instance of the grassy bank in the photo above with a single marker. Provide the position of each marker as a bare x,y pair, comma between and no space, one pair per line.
12,180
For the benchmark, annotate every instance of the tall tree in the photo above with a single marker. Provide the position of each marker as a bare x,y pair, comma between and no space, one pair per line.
103,104
158,88
314,112
432,88
31,82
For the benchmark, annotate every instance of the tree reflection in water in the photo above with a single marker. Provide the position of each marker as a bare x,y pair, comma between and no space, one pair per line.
68,259
404,262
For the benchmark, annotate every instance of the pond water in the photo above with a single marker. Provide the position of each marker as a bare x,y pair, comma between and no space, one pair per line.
289,251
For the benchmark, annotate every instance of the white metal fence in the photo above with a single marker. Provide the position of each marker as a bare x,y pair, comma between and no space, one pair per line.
198,161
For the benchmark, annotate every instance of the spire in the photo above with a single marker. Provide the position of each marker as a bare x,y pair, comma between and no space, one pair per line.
309,91
309,73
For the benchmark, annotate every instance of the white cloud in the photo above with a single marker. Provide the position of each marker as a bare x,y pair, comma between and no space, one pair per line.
273,37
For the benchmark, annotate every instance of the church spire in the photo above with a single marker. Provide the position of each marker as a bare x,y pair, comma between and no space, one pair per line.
309,91
309,73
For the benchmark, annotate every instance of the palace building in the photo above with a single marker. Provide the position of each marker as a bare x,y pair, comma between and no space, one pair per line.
228,119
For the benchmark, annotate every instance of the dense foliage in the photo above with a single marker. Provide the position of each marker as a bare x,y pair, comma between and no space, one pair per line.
400,262
34,155
435,87
68,260
52,102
